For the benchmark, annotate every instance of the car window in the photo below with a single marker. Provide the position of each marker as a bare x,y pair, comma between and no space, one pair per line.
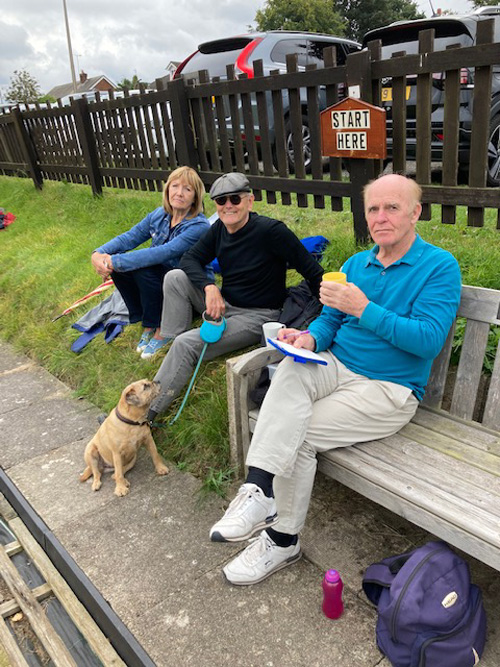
316,57
405,37
214,56
286,46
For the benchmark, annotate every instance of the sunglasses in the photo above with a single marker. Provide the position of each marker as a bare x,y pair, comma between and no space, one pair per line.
234,199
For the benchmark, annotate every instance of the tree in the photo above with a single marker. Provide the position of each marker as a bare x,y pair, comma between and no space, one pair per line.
24,88
47,98
365,15
130,84
484,3
310,16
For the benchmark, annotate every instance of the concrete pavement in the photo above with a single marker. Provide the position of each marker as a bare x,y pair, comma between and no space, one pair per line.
149,554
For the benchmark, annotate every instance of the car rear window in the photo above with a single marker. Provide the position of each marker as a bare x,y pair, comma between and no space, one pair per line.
405,37
216,55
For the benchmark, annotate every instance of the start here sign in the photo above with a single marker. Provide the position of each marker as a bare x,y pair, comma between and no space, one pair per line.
354,129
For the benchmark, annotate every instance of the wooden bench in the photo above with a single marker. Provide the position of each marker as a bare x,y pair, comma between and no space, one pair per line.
442,470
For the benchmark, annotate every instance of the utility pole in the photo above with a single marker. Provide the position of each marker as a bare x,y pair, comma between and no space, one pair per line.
72,64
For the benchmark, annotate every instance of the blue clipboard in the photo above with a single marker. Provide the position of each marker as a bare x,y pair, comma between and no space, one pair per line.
298,355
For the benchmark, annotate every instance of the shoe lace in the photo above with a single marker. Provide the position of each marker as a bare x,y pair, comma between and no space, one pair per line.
243,497
258,547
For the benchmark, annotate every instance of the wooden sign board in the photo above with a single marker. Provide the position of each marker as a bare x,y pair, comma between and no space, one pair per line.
353,129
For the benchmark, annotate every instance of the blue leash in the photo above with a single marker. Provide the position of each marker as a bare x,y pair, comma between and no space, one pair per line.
190,386
211,331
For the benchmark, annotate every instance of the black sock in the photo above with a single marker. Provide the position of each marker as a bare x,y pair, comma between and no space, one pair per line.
262,478
282,539
152,415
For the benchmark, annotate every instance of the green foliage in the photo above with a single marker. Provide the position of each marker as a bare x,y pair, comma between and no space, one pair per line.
130,84
365,15
47,98
311,16
484,3
23,89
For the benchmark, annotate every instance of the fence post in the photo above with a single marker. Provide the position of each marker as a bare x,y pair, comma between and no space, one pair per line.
184,140
27,148
361,171
87,142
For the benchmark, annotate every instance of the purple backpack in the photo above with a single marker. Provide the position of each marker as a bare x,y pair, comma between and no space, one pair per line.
429,613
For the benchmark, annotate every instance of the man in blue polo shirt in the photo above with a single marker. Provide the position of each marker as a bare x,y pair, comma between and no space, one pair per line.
379,334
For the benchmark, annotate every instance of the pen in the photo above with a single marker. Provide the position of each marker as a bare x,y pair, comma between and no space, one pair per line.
297,333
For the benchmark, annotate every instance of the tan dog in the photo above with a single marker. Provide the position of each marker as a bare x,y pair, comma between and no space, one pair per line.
119,437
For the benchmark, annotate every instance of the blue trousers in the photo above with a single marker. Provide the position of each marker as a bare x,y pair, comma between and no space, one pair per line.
142,291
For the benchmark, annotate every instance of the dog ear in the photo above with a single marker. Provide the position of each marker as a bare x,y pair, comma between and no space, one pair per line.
131,397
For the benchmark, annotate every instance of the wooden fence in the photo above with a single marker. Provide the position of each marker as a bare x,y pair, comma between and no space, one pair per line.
247,124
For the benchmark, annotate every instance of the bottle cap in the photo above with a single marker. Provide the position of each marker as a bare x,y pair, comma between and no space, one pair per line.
332,576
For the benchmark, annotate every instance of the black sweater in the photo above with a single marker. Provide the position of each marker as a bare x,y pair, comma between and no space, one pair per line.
253,262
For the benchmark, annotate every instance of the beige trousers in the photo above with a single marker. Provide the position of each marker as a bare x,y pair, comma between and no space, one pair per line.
311,408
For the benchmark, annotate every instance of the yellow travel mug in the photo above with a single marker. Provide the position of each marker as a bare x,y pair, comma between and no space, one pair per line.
335,277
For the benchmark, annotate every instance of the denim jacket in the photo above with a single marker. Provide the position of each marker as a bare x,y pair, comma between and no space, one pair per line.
155,226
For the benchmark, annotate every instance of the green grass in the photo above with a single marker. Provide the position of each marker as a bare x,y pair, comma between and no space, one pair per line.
45,266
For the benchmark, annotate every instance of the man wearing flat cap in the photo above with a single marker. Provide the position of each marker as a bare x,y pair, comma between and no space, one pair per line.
254,253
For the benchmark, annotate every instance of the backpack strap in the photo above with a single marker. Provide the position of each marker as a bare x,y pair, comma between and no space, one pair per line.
398,562
381,575
377,577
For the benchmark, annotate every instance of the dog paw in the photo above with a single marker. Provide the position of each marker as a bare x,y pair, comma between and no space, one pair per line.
96,486
162,469
122,490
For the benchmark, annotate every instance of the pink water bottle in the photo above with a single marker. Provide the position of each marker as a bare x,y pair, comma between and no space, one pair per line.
332,594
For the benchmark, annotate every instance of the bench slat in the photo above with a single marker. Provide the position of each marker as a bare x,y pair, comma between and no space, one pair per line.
452,476
491,416
435,387
486,461
480,303
427,519
420,493
447,466
470,433
469,369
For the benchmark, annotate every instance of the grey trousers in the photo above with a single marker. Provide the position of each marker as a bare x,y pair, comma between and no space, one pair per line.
311,408
182,300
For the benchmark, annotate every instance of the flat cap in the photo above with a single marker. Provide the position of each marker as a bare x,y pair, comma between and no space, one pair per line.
229,184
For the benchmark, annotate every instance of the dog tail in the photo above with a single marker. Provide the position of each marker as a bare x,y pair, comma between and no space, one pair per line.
86,474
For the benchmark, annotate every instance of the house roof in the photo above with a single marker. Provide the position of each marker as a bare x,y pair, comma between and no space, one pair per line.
87,86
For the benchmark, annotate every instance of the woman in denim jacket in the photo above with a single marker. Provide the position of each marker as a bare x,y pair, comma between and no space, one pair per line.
138,275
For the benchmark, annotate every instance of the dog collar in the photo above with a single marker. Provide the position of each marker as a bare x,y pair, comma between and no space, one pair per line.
129,421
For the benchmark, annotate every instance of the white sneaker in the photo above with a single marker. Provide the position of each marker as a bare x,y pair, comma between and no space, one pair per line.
259,560
248,513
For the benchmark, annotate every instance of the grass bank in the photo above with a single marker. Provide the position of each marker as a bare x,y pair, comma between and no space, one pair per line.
45,266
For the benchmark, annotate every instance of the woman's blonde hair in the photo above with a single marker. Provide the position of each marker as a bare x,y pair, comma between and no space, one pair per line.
190,177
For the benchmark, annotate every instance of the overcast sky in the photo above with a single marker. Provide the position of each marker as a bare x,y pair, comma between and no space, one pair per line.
120,38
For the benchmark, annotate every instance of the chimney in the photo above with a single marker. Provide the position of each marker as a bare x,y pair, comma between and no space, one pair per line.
83,76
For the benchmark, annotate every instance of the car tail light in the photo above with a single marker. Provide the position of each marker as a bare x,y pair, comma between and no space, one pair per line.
183,64
465,76
244,136
242,61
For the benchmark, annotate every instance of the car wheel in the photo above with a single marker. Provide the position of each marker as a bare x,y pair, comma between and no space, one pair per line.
306,141
493,173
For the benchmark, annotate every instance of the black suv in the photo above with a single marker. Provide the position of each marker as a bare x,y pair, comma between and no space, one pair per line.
449,29
272,48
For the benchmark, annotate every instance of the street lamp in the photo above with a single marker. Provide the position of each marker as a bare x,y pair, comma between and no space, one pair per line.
73,77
